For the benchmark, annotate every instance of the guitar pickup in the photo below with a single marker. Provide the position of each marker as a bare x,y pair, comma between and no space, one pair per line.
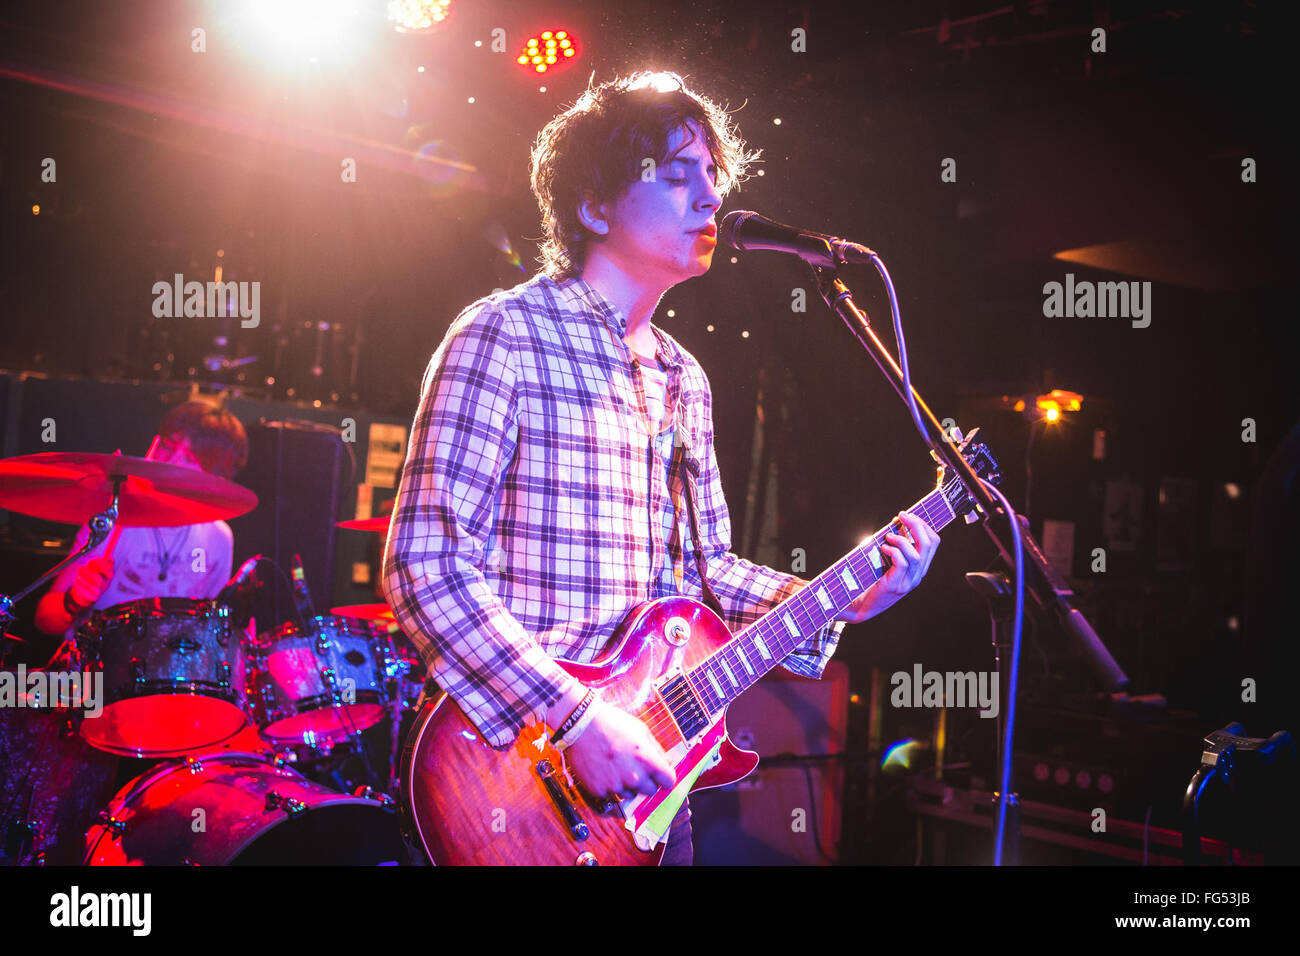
568,811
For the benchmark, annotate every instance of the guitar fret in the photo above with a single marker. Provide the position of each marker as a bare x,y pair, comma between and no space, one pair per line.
783,628
874,557
825,599
849,581
790,626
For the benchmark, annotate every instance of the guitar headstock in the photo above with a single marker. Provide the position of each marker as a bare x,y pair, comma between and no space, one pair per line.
982,462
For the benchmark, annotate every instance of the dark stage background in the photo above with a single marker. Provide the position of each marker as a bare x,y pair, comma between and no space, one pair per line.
1127,161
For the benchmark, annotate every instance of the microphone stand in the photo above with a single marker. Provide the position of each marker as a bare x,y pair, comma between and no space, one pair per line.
1044,584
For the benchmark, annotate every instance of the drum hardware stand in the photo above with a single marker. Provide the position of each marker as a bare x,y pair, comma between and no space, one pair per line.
101,525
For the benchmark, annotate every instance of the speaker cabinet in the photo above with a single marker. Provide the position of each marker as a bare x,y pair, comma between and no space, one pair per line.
788,811
297,471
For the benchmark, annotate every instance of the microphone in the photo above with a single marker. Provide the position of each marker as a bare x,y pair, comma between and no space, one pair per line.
301,596
750,232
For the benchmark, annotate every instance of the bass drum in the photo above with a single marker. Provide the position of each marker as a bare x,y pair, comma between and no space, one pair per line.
241,808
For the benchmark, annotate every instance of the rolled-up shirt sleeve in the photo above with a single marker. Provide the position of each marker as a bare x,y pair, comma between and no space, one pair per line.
462,443
744,589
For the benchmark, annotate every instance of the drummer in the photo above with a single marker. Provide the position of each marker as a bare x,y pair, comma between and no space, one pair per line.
188,561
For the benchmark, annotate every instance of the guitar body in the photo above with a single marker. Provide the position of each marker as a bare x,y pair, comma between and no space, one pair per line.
470,803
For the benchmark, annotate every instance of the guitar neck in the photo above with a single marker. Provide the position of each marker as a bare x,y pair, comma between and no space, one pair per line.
755,650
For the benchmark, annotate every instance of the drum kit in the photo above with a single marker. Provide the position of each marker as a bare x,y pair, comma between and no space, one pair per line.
240,721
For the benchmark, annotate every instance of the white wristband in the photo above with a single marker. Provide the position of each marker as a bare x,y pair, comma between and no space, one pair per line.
576,731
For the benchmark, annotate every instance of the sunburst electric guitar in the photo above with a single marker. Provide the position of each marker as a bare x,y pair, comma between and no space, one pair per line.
675,666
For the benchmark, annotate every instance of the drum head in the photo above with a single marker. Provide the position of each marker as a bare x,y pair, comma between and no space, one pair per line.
326,724
172,724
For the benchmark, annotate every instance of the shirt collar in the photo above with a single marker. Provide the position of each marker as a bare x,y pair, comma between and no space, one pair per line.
586,300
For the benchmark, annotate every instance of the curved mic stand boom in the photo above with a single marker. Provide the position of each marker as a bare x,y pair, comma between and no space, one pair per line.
1046,587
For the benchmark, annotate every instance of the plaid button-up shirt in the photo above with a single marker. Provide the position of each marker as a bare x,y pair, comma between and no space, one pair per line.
532,509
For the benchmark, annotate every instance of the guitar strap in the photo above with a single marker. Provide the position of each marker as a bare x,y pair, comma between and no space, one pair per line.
690,468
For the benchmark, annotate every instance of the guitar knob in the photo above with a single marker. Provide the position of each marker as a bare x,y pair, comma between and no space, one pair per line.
677,631
586,858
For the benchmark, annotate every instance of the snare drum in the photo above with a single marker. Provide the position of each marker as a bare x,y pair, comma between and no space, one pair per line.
173,676
240,808
321,683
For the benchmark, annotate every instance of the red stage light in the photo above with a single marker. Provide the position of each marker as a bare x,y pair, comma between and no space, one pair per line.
547,51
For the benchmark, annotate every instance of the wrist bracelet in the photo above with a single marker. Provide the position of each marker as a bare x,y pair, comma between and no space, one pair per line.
574,718
576,731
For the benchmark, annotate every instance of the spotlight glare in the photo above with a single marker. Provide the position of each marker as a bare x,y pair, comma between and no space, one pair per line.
292,32
417,16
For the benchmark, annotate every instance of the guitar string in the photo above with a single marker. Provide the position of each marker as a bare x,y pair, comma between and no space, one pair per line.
668,722
735,648
876,540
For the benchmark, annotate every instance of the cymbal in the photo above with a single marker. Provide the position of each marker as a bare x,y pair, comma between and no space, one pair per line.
72,486
368,612
367,524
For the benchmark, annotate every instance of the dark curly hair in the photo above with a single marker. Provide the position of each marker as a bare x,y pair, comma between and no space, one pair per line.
599,144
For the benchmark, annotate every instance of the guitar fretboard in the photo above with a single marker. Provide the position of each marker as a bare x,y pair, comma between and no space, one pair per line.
755,650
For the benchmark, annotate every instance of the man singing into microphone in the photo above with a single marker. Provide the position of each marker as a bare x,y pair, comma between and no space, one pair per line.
544,493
